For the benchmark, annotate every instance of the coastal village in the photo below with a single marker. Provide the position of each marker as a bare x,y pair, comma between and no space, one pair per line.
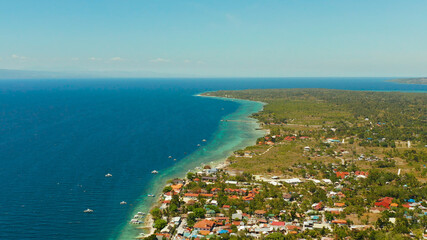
300,182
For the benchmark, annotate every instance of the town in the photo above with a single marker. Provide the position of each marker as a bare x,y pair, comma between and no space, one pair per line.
307,178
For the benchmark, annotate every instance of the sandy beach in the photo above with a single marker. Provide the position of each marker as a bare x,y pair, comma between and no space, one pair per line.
230,136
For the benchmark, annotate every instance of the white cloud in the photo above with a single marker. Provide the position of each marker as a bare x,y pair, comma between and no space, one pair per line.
14,56
94,59
187,61
160,60
116,59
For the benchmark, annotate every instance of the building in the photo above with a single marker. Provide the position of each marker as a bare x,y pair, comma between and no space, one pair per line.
204,225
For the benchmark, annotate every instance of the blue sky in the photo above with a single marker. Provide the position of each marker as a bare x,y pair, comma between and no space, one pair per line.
217,38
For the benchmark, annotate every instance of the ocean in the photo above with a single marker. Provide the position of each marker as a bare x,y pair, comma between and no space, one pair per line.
58,139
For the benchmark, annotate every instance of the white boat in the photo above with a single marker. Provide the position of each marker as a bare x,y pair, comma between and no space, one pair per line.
154,172
204,140
170,156
88,210
141,213
135,221
123,203
150,195
198,145
108,175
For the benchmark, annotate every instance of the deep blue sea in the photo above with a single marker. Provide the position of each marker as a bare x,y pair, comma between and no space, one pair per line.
58,138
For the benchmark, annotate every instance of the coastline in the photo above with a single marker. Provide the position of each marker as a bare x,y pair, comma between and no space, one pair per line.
229,137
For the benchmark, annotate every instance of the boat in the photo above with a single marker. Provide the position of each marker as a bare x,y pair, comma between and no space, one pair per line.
123,203
174,159
170,156
198,145
140,213
108,175
154,172
204,140
88,210
150,195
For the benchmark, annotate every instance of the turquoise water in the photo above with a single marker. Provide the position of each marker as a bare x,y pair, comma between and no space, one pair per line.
230,136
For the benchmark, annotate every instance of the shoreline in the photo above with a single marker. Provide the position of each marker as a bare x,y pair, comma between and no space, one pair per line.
216,156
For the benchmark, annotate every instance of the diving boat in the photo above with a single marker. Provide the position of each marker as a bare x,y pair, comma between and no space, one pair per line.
154,172
88,210
123,203
108,175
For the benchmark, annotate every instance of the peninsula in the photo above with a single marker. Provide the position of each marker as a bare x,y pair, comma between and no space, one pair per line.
333,164
422,80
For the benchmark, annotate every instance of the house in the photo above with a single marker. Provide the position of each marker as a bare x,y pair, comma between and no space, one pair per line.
240,192
215,190
293,181
191,195
377,209
204,225
339,221
287,196
292,228
248,154
384,202
162,236
226,207
210,179
177,181
176,220
208,195
231,182
237,215
247,198
260,213
331,140
342,175
278,225
361,174
339,204
318,206
176,187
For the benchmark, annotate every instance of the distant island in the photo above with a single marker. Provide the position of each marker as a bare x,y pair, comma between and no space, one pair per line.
422,80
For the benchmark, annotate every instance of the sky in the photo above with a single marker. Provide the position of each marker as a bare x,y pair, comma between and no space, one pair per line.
283,38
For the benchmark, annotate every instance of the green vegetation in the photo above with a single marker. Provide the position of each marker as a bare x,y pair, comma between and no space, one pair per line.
339,164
